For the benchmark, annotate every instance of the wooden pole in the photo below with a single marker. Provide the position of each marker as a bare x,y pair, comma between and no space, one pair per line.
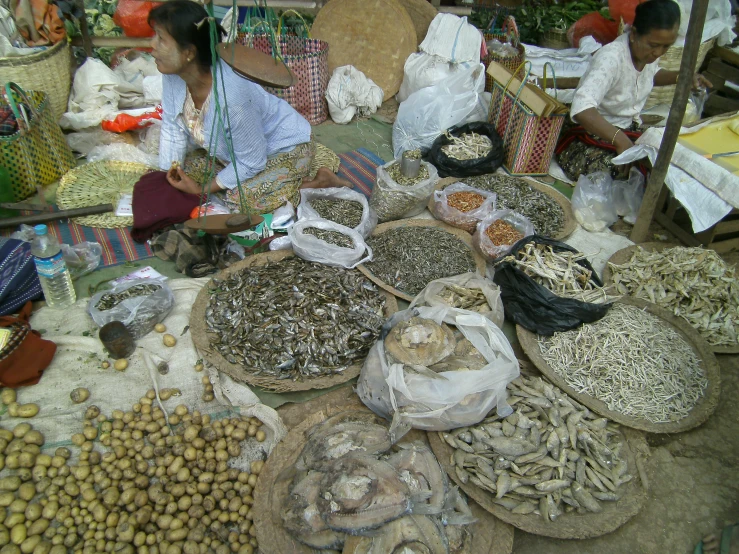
53,216
674,121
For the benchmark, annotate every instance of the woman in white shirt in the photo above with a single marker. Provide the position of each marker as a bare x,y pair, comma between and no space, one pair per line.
614,89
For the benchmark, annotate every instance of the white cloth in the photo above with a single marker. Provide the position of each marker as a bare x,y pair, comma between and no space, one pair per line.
613,86
570,62
350,92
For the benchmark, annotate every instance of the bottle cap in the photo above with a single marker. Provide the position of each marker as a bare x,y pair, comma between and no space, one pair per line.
40,230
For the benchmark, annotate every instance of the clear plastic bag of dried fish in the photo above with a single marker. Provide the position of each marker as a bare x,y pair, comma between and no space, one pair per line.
422,375
462,206
550,458
395,196
326,242
467,150
498,231
468,291
341,205
350,480
139,304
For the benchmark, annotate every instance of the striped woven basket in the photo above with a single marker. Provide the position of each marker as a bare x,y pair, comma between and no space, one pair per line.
49,71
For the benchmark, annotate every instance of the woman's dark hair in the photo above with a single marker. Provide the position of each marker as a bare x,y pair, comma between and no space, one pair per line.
656,15
188,24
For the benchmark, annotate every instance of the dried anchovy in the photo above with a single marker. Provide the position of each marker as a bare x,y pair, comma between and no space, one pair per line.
559,272
110,300
413,154
399,178
390,203
631,361
551,457
465,201
515,194
331,237
294,319
501,233
467,146
693,283
344,212
409,258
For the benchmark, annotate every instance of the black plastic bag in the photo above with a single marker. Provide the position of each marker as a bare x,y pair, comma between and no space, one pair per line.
449,167
535,307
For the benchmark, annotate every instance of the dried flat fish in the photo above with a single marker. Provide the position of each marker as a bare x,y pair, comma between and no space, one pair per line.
332,442
409,258
693,283
419,469
632,361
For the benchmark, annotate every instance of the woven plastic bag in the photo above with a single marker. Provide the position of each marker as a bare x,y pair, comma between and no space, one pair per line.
457,218
482,241
422,399
434,295
393,201
306,211
139,313
313,249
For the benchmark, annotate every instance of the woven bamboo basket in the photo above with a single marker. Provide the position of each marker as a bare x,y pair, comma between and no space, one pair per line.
511,64
555,39
49,71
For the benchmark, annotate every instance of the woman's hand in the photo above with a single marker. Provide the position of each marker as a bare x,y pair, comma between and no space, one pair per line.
181,181
622,143
700,82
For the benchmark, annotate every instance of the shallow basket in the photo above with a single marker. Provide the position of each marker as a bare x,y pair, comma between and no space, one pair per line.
671,62
49,71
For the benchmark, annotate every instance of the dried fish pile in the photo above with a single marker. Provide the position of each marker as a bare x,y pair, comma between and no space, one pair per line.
632,361
344,212
331,237
467,146
400,179
110,300
413,154
464,298
693,283
409,258
515,194
350,481
551,457
395,195
502,233
559,272
294,319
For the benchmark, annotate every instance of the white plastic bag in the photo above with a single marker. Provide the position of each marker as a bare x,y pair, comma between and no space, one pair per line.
423,70
482,241
430,111
431,295
451,37
393,201
464,220
283,217
350,92
139,313
94,96
627,195
313,249
122,153
306,211
593,202
82,258
446,400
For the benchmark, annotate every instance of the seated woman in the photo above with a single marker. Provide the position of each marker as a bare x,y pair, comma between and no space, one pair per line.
272,145
614,89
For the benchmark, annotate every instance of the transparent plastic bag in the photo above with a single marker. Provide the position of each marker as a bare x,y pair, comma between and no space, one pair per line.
432,295
313,249
138,313
306,211
82,258
122,153
463,220
593,202
694,109
420,398
627,195
482,241
393,201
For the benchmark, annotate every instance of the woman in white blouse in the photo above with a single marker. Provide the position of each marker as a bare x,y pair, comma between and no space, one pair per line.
614,89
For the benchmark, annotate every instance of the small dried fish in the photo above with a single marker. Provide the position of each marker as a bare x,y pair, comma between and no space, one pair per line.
467,146
110,300
331,237
344,212
395,195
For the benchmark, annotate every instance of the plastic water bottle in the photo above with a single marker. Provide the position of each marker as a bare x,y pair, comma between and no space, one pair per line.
56,281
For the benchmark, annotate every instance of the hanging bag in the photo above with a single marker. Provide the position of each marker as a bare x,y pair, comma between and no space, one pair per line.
307,59
37,153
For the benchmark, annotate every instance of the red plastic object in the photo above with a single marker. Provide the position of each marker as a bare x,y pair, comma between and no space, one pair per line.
124,122
625,9
131,16
595,25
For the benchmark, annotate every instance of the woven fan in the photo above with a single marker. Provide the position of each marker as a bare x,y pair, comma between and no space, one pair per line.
98,183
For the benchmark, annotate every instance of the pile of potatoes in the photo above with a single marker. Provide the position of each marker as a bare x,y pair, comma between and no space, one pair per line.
164,486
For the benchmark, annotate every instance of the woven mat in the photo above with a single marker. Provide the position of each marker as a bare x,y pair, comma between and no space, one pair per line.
359,167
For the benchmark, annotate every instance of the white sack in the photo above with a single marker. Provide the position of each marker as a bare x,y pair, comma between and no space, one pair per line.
94,96
350,92
453,39
425,70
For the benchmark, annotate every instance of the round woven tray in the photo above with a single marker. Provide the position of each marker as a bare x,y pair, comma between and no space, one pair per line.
569,225
700,413
464,236
491,536
624,255
98,183
567,526
422,13
199,331
375,36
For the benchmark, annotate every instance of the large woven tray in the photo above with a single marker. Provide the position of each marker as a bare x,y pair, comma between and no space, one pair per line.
422,13
569,225
624,255
700,413
198,329
464,236
572,525
491,536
